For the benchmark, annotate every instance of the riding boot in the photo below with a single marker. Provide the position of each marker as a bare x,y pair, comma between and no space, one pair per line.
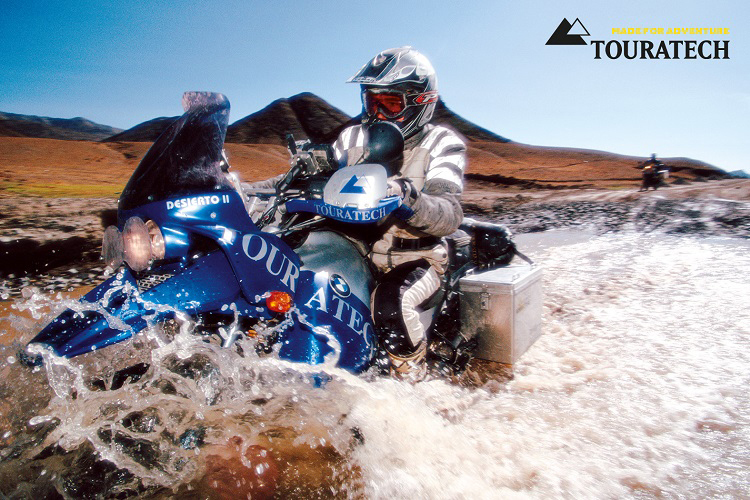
411,367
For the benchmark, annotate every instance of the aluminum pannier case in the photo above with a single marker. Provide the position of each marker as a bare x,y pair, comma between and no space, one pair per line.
502,308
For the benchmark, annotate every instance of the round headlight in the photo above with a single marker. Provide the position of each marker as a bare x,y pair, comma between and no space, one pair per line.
112,249
137,244
157,240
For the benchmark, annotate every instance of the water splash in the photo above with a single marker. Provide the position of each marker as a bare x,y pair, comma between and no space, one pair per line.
634,390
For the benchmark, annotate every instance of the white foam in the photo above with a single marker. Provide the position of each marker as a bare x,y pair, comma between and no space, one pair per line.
636,388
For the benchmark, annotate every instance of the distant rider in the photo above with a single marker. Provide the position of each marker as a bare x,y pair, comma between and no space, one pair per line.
652,170
400,86
653,161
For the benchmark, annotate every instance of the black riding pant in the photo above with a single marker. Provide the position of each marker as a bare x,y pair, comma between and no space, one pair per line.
399,305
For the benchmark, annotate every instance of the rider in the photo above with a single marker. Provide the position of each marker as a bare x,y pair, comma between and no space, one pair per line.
400,86
653,161
651,169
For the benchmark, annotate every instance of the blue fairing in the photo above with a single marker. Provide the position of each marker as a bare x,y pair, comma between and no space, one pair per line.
343,330
181,187
246,267
113,311
261,261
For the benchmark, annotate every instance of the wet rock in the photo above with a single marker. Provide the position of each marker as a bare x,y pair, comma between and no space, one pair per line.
142,422
50,237
141,451
195,367
131,374
192,438
84,475
697,217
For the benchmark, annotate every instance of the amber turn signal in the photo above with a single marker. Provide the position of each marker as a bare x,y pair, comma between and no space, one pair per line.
279,302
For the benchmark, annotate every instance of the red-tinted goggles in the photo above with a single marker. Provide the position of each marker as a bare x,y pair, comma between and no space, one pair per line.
392,104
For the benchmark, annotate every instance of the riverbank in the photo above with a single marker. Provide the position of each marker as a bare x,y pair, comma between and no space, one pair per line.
53,243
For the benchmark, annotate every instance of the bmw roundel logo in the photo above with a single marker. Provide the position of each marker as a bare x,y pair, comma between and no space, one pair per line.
339,285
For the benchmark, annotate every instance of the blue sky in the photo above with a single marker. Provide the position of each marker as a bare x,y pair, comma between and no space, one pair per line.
122,63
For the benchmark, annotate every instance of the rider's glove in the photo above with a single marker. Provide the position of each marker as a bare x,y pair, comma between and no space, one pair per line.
404,189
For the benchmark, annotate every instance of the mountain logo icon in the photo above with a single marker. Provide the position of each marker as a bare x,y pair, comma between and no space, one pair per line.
356,185
569,34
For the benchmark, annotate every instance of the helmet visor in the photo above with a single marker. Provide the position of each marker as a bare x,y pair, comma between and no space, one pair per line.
390,104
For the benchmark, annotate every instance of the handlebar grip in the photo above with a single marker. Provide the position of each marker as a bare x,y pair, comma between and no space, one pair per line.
290,144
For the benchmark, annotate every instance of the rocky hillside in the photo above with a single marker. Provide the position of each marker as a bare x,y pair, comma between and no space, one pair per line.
70,129
472,132
144,132
256,146
306,116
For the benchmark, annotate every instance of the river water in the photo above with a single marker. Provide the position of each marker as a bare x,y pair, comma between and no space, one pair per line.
636,389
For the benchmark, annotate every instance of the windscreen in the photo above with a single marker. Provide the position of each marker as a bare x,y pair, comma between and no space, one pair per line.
187,158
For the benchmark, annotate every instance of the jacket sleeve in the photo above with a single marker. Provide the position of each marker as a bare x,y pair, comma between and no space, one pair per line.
349,141
437,209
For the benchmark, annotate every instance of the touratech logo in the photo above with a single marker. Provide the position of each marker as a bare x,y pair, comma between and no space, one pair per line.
356,185
715,48
569,34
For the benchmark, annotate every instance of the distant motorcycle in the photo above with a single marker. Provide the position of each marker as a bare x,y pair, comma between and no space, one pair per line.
294,281
654,175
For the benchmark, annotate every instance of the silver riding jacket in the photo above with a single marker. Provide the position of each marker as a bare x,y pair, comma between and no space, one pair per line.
434,161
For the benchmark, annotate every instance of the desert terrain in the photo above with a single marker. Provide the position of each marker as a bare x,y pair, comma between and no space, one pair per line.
56,168
56,197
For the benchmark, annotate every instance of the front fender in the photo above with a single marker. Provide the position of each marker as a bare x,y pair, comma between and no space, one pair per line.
116,310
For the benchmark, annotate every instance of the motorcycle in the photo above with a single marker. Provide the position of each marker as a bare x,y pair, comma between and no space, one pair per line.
654,175
291,276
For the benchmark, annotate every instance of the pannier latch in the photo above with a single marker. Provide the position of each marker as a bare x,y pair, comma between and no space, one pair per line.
485,301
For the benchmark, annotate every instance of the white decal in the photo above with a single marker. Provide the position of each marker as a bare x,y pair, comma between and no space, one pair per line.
344,312
353,215
256,248
318,297
197,201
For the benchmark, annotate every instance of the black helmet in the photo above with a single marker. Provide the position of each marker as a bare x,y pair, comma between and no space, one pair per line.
399,86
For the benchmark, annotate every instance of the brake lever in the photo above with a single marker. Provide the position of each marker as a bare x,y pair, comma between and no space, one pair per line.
268,215
308,224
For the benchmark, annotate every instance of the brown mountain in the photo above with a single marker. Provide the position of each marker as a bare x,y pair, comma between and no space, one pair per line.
305,115
472,132
144,132
43,127
529,166
256,148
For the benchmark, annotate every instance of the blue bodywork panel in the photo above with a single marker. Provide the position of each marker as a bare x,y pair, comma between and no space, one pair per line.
181,186
248,265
